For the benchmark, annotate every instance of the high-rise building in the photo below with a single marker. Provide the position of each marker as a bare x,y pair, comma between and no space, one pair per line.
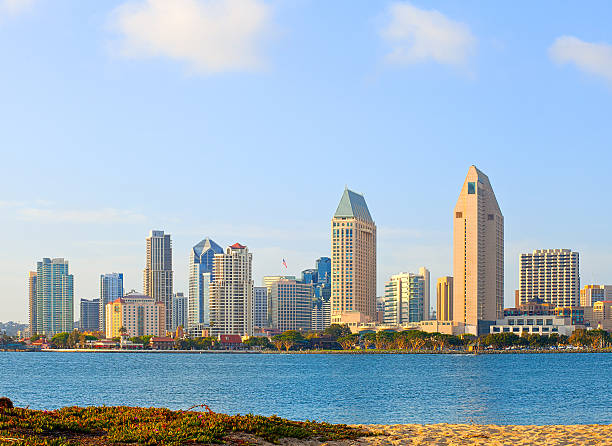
111,289
320,317
291,305
594,293
231,292
260,306
268,281
200,277
424,272
404,299
32,302
158,274
54,297
353,259
323,265
137,315
444,295
550,275
478,252
90,315
179,311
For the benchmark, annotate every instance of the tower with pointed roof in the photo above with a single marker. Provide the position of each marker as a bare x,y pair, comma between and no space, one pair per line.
200,277
353,275
478,252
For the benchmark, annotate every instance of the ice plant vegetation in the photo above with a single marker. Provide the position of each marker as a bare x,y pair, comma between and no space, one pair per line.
153,426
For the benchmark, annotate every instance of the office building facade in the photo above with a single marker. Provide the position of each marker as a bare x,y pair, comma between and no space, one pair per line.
231,292
550,275
353,282
137,314
32,302
200,276
478,252
260,307
54,297
111,289
591,294
158,274
291,305
179,311
444,298
90,315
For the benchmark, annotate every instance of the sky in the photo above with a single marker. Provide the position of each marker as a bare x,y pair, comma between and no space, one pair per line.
244,120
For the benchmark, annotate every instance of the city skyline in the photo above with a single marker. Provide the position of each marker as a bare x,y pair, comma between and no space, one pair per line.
81,180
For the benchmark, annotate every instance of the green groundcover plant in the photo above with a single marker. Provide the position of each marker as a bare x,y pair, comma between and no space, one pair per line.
154,426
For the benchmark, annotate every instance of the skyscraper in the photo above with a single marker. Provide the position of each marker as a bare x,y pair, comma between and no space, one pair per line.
550,275
405,299
90,315
54,297
353,259
158,274
424,272
32,302
444,294
478,252
111,289
260,306
291,303
179,311
200,277
231,292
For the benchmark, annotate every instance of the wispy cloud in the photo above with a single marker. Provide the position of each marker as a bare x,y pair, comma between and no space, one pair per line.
14,7
417,36
101,216
592,58
210,36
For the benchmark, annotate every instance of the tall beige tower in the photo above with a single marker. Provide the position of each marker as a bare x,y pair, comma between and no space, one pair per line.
478,252
444,299
353,260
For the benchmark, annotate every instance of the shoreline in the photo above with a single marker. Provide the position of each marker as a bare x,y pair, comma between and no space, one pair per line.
318,352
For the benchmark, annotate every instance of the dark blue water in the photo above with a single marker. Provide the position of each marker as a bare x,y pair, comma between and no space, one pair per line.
501,389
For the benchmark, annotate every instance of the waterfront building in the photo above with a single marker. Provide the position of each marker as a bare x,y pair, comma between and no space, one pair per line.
594,293
54,297
353,234
90,315
539,324
231,292
179,311
290,305
405,299
478,252
111,289
320,317
260,306
599,316
424,272
32,302
137,314
200,277
444,298
550,275
158,274
530,308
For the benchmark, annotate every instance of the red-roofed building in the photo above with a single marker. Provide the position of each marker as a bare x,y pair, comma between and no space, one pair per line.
230,341
237,246
161,343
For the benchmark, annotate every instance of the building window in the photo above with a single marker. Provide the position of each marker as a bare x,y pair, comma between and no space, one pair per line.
471,188
458,214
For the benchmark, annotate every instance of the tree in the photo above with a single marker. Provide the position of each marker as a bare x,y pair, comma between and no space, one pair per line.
348,342
580,338
368,339
258,341
122,331
60,340
336,331
384,340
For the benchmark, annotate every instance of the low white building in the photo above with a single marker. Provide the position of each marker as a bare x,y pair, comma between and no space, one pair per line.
539,324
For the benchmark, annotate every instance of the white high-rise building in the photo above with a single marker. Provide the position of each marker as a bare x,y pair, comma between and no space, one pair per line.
231,292
405,299
200,277
111,289
158,274
550,275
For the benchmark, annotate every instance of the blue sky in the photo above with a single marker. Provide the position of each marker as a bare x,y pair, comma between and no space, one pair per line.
243,121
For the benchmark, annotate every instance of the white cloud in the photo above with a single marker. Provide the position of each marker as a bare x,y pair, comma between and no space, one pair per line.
14,7
417,36
102,216
211,36
593,58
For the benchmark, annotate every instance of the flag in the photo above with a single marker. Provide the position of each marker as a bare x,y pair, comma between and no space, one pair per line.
284,263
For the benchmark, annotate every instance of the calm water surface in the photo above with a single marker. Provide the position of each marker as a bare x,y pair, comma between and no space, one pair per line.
502,389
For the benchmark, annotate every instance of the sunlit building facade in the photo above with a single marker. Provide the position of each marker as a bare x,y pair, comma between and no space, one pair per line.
158,274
